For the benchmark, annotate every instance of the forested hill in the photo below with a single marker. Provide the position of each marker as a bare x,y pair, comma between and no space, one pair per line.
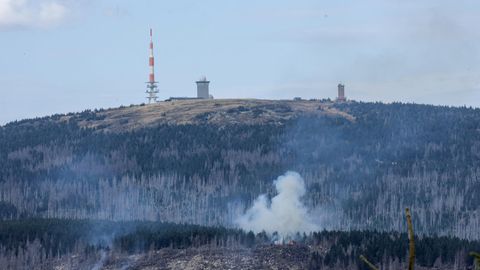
204,162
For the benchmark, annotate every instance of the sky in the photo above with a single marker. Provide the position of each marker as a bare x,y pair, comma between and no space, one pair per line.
60,56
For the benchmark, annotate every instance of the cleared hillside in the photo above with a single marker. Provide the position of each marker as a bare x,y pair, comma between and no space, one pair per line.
216,112
83,244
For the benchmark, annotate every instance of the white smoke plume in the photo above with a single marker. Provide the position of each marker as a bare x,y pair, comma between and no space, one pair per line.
285,214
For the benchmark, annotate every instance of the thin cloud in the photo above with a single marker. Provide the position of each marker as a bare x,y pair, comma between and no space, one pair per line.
31,14
289,14
116,12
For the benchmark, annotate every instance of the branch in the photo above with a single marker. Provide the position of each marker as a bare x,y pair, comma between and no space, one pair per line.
477,259
411,237
475,255
368,263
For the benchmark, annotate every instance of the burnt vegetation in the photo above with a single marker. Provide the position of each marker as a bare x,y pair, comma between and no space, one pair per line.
43,242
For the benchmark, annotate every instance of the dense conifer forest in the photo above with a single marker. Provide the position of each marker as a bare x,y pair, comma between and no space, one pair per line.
361,171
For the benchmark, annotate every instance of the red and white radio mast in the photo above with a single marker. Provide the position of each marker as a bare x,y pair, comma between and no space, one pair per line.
152,87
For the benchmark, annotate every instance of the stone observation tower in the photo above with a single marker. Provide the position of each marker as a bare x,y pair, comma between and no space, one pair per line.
202,88
341,93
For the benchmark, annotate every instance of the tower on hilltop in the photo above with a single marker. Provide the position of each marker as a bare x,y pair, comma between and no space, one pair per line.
203,88
341,93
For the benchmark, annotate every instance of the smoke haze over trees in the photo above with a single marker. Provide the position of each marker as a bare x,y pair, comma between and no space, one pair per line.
49,243
363,171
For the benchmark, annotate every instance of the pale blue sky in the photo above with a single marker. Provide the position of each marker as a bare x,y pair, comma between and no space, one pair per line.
59,56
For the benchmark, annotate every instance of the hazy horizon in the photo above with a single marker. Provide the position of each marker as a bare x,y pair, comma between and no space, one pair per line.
61,56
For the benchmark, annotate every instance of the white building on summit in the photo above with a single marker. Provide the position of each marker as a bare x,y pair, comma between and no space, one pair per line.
203,88
203,91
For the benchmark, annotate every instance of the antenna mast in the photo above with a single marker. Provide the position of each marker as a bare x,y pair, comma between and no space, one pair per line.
152,85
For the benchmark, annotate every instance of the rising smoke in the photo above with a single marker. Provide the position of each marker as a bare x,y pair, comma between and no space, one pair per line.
285,214
101,262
